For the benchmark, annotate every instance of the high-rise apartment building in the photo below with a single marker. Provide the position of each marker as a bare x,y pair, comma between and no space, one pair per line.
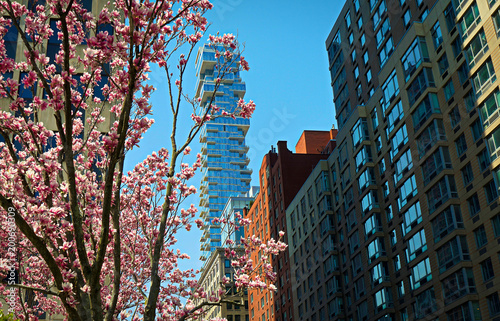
281,175
224,164
415,221
236,205
218,266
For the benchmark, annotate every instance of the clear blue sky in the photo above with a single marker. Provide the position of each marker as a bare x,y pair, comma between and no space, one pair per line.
288,79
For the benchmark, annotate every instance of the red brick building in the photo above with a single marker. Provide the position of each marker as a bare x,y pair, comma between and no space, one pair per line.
281,175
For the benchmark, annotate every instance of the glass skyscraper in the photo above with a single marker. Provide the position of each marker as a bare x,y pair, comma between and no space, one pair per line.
224,167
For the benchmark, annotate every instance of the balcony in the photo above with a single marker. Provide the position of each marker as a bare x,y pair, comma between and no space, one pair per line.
425,110
430,136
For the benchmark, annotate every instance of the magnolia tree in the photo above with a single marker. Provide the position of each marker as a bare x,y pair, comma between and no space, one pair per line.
78,235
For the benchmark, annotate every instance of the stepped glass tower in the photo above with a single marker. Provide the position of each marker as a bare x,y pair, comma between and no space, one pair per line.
224,166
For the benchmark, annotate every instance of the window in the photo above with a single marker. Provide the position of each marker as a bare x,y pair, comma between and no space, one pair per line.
474,206
368,75
480,236
351,220
407,18
390,88
467,174
353,242
456,45
395,115
398,141
378,143
470,100
393,236
403,165
469,20
53,45
382,32
496,225
437,35
458,5
496,20
449,90
343,155
413,57
379,273
10,41
435,164
351,38
324,205
443,64
339,82
449,16
407,191
346,177
490,110
458,284
353,56
365,57
377,15
348,19
452,252
424,80
463,73
461,145
484,160
381,166
420,274
376,249
386,51
441,192
455,117
322,183
359,91
372,225
487,270
425,110
359,132
425,304
412,217
476,49
447,221
359,288
494,144
337,64
430,136
491,191
357,265
382,299
369,201
362,310
334,47
416,245
385,188
477,130
331,264
360,23
484,77
493,304
363,156
366,178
